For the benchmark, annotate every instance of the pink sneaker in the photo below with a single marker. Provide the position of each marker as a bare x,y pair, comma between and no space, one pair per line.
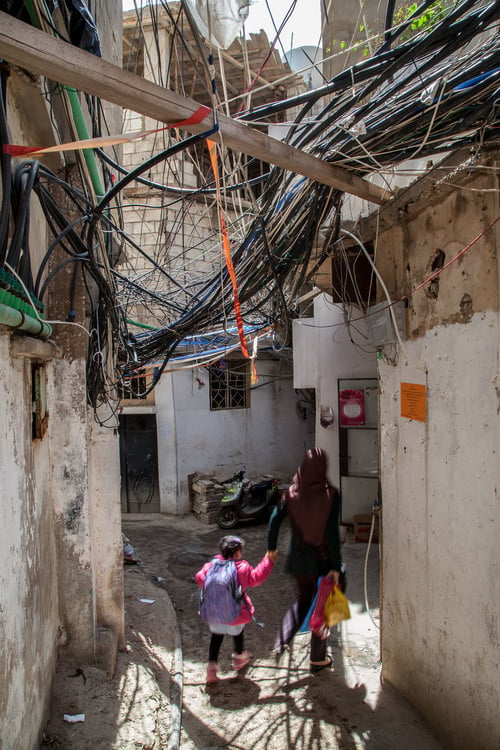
241,660
211,673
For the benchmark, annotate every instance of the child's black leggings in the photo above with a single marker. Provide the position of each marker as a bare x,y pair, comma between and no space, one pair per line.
216,643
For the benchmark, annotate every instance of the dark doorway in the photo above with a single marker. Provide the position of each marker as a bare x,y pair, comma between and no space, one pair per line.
139,464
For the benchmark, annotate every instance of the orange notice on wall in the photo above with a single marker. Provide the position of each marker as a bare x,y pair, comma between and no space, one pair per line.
413,401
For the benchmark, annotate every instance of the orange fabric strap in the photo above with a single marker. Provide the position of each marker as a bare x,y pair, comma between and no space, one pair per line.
106,140
212,150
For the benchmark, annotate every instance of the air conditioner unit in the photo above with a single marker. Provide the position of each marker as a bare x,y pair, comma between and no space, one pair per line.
380,327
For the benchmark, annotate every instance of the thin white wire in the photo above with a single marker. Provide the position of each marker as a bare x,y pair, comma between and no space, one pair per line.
365,573
42,320
388,297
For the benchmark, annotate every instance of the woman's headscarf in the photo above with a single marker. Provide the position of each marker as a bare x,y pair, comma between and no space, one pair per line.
309,498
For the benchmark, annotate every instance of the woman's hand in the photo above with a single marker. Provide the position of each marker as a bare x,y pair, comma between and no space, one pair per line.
335,576
272,554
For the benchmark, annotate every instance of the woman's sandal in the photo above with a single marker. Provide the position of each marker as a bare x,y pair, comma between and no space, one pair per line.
315,668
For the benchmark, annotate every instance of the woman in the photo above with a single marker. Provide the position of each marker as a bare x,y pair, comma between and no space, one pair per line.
313,507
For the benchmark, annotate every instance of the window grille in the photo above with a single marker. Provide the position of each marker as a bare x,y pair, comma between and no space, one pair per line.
134,386
229,385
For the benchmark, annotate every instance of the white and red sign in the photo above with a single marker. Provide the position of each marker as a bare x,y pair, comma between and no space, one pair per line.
352,407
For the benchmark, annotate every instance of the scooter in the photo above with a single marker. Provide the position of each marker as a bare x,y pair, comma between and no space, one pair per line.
244,502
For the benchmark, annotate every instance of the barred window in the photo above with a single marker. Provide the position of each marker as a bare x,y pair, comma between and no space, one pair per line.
134,386
229,385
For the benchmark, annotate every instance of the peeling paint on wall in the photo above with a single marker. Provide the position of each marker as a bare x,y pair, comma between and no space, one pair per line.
430,241
466,308
73,514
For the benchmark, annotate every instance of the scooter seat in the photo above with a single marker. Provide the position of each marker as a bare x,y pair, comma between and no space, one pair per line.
260,488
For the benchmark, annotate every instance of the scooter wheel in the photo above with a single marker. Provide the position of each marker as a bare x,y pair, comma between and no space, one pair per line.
227,518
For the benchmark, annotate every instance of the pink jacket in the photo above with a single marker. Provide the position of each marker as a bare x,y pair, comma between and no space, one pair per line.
248,577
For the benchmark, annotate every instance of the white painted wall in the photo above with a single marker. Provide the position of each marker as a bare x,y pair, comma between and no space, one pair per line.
441,526
167,445
323,354
393,179
268,438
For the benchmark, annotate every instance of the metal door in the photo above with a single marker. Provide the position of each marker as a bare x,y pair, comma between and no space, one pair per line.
358,446
139,464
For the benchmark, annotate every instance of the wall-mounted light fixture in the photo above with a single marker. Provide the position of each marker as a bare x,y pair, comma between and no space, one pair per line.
326,416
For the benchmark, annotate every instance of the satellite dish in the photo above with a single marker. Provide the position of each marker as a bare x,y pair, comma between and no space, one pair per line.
300,58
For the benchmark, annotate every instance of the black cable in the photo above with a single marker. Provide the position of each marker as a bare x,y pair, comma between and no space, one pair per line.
24,179
167,153
273,257
389,16
55,242
179,190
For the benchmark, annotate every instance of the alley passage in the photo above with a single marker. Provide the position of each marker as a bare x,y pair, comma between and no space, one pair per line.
278,706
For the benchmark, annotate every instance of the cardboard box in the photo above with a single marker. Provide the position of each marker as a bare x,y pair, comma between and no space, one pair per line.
362,527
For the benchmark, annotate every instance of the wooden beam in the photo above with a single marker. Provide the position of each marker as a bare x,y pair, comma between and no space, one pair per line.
40,53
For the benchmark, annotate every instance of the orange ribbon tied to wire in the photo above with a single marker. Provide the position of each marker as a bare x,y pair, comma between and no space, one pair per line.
107,140
212,150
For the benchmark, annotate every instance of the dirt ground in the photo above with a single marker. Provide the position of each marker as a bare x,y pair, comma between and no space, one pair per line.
269,705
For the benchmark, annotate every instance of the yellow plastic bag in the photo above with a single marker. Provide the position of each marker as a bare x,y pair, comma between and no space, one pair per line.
336,608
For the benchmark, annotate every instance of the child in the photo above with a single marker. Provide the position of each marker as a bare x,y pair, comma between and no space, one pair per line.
231,548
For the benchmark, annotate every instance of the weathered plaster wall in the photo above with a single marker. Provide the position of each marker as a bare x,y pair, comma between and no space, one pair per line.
323,354
53,530
105,510
268,438
29,614
441,559
431,239
441,478
70,499
341,22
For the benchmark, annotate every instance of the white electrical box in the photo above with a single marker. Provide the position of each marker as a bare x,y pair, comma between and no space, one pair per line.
380,327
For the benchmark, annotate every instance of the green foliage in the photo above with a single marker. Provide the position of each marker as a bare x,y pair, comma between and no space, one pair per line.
434,14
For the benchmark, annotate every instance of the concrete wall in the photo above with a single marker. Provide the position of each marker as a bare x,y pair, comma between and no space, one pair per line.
29,606
441,564
61,561
323,354
341,22
440,478
269,437
105,521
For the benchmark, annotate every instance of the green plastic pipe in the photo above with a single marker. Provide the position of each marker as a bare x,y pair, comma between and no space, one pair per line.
83,133
76,110
13,318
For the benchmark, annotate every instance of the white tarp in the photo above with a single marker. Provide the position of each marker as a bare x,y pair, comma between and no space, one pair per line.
219,21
